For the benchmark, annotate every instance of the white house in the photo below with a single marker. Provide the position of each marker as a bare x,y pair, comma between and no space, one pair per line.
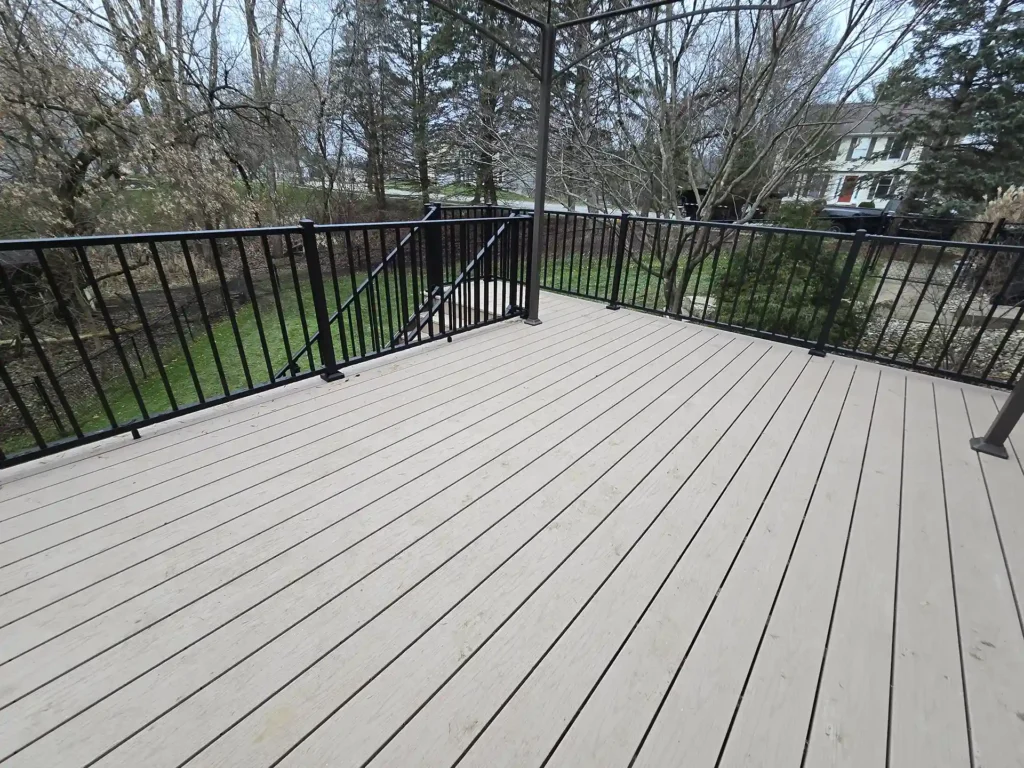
871,163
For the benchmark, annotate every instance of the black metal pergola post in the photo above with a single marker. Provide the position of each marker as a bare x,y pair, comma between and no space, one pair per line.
546,74
993,442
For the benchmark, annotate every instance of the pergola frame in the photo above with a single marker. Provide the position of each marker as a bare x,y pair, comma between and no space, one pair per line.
546,74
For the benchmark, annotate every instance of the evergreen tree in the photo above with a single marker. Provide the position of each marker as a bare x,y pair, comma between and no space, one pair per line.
962,96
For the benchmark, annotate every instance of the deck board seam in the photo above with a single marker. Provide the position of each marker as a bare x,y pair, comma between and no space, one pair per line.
839,580
553,356
666,338
251,445
377,614
896,581
782,579
381,565
952,575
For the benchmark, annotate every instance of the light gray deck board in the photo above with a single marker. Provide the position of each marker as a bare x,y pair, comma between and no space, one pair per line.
611,726
614,536
992,643
928,722
220,470
624,503
851,721
772,716
301,531
1006,490
374,383
714,507
307,484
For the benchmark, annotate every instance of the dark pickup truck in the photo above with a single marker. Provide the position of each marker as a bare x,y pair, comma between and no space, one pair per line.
889,221
850,218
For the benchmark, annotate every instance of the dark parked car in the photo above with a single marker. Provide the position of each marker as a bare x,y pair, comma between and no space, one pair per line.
850,218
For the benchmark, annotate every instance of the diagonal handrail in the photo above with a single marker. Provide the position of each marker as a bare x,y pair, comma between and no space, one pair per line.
292,365
436,303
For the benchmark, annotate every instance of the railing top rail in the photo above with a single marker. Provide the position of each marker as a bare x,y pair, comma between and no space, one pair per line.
529,212
754,227
948,244
146,237
387,225
30,244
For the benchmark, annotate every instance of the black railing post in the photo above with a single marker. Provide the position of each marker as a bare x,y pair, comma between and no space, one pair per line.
513,266
620,253
323,318
994,231
994,441
434,258
844,280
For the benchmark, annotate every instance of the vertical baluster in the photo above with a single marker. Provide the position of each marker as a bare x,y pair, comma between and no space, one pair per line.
757,278
44,361
325,342
654,250
147,331
329,239
373,297
69,320
108,321
275,289
26,416
226,295
299,301
744,271
896,301
922,292
190,266
176,321
356,297
44,398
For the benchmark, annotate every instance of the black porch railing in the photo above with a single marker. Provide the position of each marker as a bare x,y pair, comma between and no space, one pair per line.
105,335
945,308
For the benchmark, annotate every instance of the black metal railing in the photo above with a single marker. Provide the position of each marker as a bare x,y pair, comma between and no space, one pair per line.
104,335
947,308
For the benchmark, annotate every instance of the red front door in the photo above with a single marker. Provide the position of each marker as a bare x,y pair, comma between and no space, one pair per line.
849,186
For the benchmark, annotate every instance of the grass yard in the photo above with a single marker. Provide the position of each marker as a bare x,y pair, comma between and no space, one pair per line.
640,284
282,342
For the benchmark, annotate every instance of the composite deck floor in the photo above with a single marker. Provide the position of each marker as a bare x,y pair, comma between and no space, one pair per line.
610,540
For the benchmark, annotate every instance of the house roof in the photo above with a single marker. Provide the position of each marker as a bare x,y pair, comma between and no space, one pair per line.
869,117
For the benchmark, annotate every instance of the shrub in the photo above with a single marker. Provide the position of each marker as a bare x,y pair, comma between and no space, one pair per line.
784,282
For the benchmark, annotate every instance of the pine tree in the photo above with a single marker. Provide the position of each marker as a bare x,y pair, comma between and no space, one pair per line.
962,96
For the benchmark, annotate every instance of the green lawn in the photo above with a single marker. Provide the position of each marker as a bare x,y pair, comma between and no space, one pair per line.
205,351
640,284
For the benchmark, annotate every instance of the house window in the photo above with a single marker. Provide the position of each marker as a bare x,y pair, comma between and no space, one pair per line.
815,185
858,148
899,148
885,186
